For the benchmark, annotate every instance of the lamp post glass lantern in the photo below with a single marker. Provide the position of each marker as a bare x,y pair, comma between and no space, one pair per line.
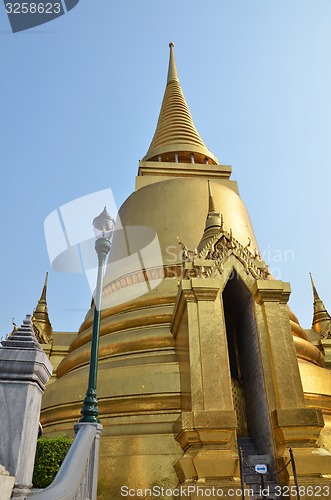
104,226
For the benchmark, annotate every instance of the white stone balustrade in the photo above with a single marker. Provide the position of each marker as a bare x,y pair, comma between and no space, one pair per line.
77,478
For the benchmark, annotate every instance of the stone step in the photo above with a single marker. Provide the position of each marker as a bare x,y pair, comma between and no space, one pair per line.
247,447
258,497
249,450
252,479
271,488
246,453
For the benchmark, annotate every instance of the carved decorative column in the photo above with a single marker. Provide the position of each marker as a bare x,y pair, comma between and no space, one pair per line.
294,425
207,428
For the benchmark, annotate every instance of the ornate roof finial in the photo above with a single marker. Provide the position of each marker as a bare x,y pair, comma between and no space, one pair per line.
248,244
321,318
176,138
15,327
41,323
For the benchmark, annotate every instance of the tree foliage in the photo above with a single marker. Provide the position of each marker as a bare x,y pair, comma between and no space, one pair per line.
49,456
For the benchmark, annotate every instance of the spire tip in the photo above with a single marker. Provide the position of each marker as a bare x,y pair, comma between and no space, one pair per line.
211,210
316,296
172,70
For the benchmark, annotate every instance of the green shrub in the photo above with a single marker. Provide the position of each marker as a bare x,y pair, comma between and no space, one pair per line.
49,456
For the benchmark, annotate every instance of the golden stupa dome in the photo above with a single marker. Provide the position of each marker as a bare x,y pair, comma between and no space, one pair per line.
138,380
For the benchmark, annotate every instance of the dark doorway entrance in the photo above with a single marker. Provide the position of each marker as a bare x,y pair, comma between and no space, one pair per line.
246,365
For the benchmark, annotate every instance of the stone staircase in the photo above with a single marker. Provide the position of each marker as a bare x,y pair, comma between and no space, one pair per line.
252,479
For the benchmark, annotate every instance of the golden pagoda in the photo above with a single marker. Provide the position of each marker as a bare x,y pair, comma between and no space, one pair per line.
199,351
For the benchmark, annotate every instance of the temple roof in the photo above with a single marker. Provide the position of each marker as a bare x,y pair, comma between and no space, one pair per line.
176,137
23,337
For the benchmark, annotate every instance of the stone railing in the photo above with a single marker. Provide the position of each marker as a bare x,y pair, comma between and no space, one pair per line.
77,478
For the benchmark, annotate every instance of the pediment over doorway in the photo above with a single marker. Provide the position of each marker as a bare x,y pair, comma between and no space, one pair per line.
211,260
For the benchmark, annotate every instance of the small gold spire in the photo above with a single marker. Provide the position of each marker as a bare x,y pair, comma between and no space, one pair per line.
44,292
321,318
41,323
214,221
176,138
316,296
212,209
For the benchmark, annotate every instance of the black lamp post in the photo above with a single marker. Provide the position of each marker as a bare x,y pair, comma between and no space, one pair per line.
104,226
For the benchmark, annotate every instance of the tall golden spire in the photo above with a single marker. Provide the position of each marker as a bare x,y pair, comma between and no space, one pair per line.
321,318
41,323
176,138
214,221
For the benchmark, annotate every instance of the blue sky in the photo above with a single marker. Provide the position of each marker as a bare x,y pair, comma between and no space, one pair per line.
80,98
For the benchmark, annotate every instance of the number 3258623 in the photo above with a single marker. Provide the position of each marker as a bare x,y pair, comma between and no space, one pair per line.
33,8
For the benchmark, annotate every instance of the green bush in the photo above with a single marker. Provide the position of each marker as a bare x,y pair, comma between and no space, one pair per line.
49,456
